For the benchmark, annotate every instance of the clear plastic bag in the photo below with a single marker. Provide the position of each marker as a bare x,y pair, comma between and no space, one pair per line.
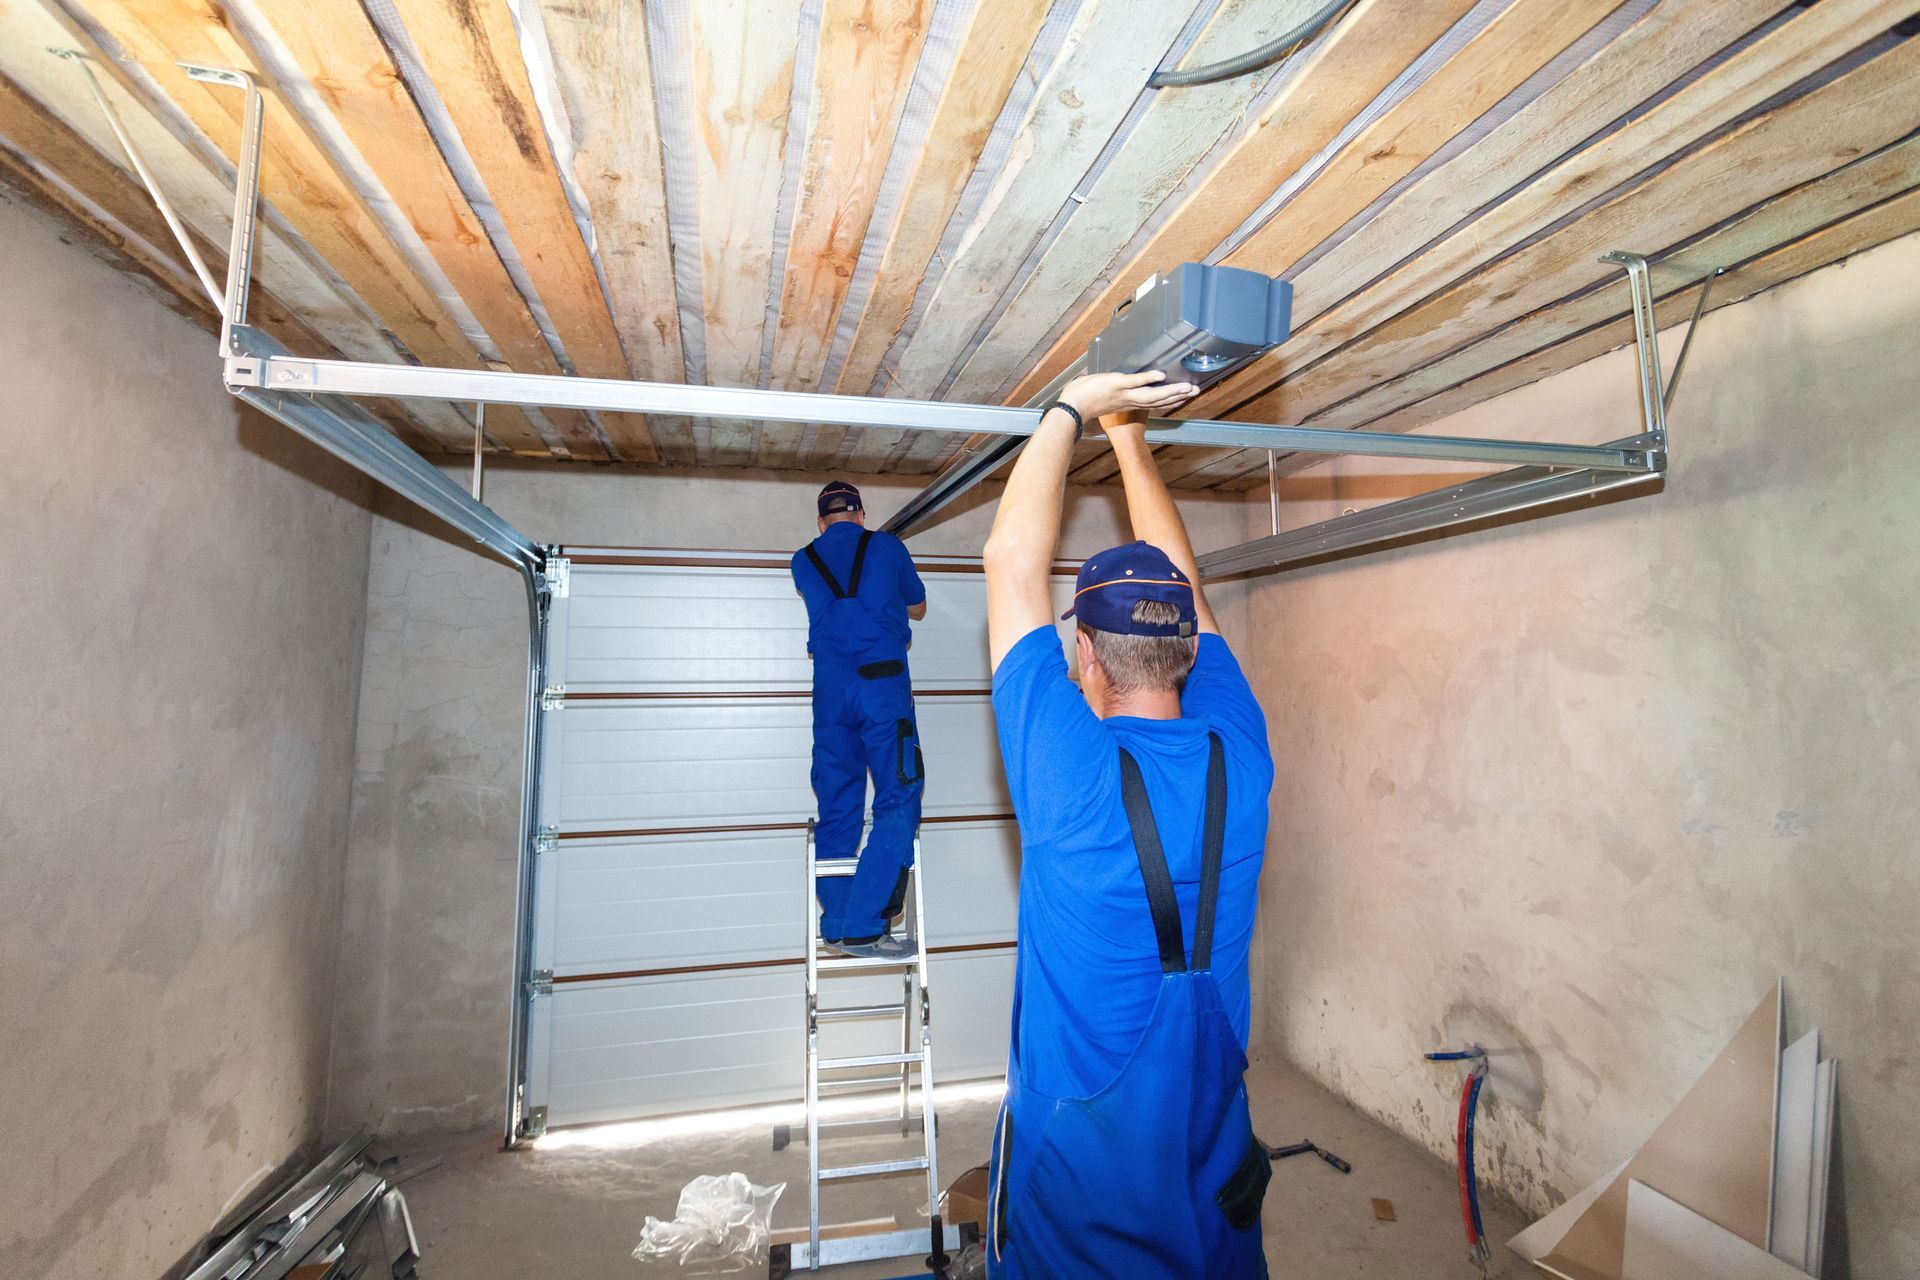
723,1223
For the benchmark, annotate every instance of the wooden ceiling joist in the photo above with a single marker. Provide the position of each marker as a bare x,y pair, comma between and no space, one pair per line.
1336,79
340,54
605,75
117,210
472,54
991,53
1082,98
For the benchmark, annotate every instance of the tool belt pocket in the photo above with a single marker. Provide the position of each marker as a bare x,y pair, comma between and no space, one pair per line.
1241,1198
909,764
881,670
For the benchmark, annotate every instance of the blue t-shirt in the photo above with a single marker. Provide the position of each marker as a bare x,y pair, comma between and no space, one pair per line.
889,585
1089,967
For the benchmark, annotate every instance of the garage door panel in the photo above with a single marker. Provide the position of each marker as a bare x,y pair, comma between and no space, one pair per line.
651,1047
672,901
692,630
650,764
672,928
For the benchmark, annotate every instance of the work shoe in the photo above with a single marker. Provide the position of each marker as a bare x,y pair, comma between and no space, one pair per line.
884,947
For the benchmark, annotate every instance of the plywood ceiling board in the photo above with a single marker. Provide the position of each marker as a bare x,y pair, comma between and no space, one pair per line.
1177,131
1715,1149
471,52
338,50
992,50
605,72
1335,80
1772,64
1110,50
1668,1241
1859,112
867,55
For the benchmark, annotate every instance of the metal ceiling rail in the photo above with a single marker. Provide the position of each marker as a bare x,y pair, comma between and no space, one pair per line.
286,373
1523,491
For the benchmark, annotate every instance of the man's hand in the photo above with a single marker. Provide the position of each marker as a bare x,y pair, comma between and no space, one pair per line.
1095,395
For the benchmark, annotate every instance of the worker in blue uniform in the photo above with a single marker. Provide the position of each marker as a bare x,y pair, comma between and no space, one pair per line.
861,590
1124,1147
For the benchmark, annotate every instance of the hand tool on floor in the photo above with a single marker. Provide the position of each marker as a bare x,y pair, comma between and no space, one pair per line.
1300,1149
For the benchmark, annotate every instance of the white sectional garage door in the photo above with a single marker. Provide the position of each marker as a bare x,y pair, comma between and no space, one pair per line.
668,923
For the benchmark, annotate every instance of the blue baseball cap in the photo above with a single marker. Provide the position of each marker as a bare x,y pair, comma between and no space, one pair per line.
838,495
1111,583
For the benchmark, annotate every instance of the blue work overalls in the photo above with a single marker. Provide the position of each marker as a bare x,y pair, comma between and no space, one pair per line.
1157,1176
863,725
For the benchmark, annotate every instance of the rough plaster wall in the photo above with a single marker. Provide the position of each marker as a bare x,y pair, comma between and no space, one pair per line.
426,956
1601,778
182,638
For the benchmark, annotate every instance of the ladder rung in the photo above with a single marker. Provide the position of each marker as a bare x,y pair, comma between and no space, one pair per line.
865,1082
829,963
836,867
879,1166
870,1060
858,1011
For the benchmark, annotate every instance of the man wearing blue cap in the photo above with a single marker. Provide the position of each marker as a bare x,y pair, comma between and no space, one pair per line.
861,589
1124,1147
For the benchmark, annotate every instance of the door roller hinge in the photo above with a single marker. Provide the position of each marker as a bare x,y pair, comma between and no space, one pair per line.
541,983
557,577
553,697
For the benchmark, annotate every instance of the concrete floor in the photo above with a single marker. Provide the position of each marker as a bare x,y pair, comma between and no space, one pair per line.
573,1206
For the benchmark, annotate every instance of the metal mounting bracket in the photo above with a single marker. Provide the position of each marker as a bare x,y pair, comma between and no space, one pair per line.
556,576
553,698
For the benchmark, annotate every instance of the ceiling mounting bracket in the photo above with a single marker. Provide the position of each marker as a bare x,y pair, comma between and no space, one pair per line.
1516,493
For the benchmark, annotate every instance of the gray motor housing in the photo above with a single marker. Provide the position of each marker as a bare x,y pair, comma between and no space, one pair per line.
1195,324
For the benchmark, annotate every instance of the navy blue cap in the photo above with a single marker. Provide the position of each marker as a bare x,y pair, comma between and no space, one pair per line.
1111,583
838,495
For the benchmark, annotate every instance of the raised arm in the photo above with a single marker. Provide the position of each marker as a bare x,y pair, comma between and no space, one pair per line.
1150,507
1026,528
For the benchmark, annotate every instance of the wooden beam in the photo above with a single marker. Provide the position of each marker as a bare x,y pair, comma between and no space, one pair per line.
606,76
1109,51
1337,78
338,50
868,52
1176,132
67,176
471,52
1812,39
296,177
992,51
1498,59
54,119
1888,220
743,55
1866,109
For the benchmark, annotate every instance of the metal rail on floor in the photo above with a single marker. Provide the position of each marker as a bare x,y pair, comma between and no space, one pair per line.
315,398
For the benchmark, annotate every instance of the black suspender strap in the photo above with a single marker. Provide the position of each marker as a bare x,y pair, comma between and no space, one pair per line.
1153,866
852,588
1213,843
1153,860
859,562
826,574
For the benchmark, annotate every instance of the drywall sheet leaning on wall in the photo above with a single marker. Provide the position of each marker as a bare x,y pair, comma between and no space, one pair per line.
1668,1241
1715,1150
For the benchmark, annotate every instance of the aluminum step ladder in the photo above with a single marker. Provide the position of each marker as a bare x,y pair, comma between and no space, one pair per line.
896,1074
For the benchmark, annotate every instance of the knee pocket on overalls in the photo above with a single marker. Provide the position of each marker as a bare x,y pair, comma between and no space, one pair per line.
909,765
1240,1199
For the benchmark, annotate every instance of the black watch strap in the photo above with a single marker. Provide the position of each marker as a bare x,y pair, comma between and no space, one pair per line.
1079,423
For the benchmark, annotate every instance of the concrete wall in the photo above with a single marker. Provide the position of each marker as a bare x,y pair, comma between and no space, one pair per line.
183,632
426,954
1598,780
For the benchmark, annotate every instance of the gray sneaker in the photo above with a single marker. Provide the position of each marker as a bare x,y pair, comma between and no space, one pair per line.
884,947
